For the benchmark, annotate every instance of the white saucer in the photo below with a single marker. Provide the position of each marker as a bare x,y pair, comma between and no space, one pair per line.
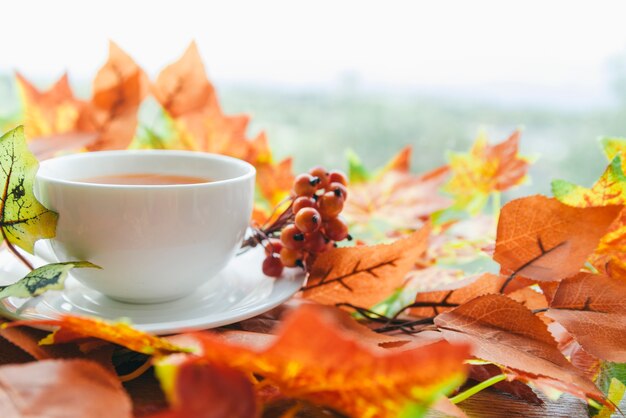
239,292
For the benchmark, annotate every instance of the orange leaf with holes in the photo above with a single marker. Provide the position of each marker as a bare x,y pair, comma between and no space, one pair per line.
593,309
542,239
335,369
363,275
73,328
118,89
505,332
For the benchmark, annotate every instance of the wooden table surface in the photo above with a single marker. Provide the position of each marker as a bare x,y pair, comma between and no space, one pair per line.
490,404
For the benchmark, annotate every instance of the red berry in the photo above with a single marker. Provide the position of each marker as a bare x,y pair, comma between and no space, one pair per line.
305,185
273,246
339,189
292,237
315,242
321,173
337,176
330,205
272,266
308,220
303,202
291,258
336,229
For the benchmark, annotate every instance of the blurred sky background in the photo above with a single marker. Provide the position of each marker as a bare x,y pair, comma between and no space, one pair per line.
324,76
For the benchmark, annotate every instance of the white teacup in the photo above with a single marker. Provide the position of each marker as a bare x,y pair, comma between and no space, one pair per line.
154,242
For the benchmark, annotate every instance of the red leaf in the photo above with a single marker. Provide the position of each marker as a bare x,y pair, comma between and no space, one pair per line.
504,332
61,388
543,239
593,309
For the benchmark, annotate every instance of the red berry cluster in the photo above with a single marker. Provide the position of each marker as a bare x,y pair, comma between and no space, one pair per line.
317,200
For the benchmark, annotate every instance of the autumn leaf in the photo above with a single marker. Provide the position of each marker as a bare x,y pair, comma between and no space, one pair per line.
188,97
394,198
23,220
61,388
610,189
363,275
593,309
72,328
485,169
542,239
202,389
505,332
336,370
42,279
54,111
118,89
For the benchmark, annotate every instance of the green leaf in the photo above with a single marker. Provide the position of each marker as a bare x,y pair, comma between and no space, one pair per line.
611,380
23,220
42,279
357,173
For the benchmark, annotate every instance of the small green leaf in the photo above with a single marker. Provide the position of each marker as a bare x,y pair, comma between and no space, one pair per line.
23,220
357,173
42,279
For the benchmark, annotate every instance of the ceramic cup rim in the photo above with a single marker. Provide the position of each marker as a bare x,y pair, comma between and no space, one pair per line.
45,172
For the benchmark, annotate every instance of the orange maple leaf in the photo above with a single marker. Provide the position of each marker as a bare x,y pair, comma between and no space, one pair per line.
485,169
396,197
72,328
54,111
118,89
188,96
336,370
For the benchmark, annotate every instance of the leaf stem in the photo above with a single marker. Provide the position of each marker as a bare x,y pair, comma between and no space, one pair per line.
15,251
475,389
496,204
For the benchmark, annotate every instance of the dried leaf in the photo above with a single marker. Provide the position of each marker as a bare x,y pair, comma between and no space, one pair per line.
23,220
543,239
42,279
363,275
74,328
485,169
118,89
593,309
504,332
61,388
336,370
208,390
